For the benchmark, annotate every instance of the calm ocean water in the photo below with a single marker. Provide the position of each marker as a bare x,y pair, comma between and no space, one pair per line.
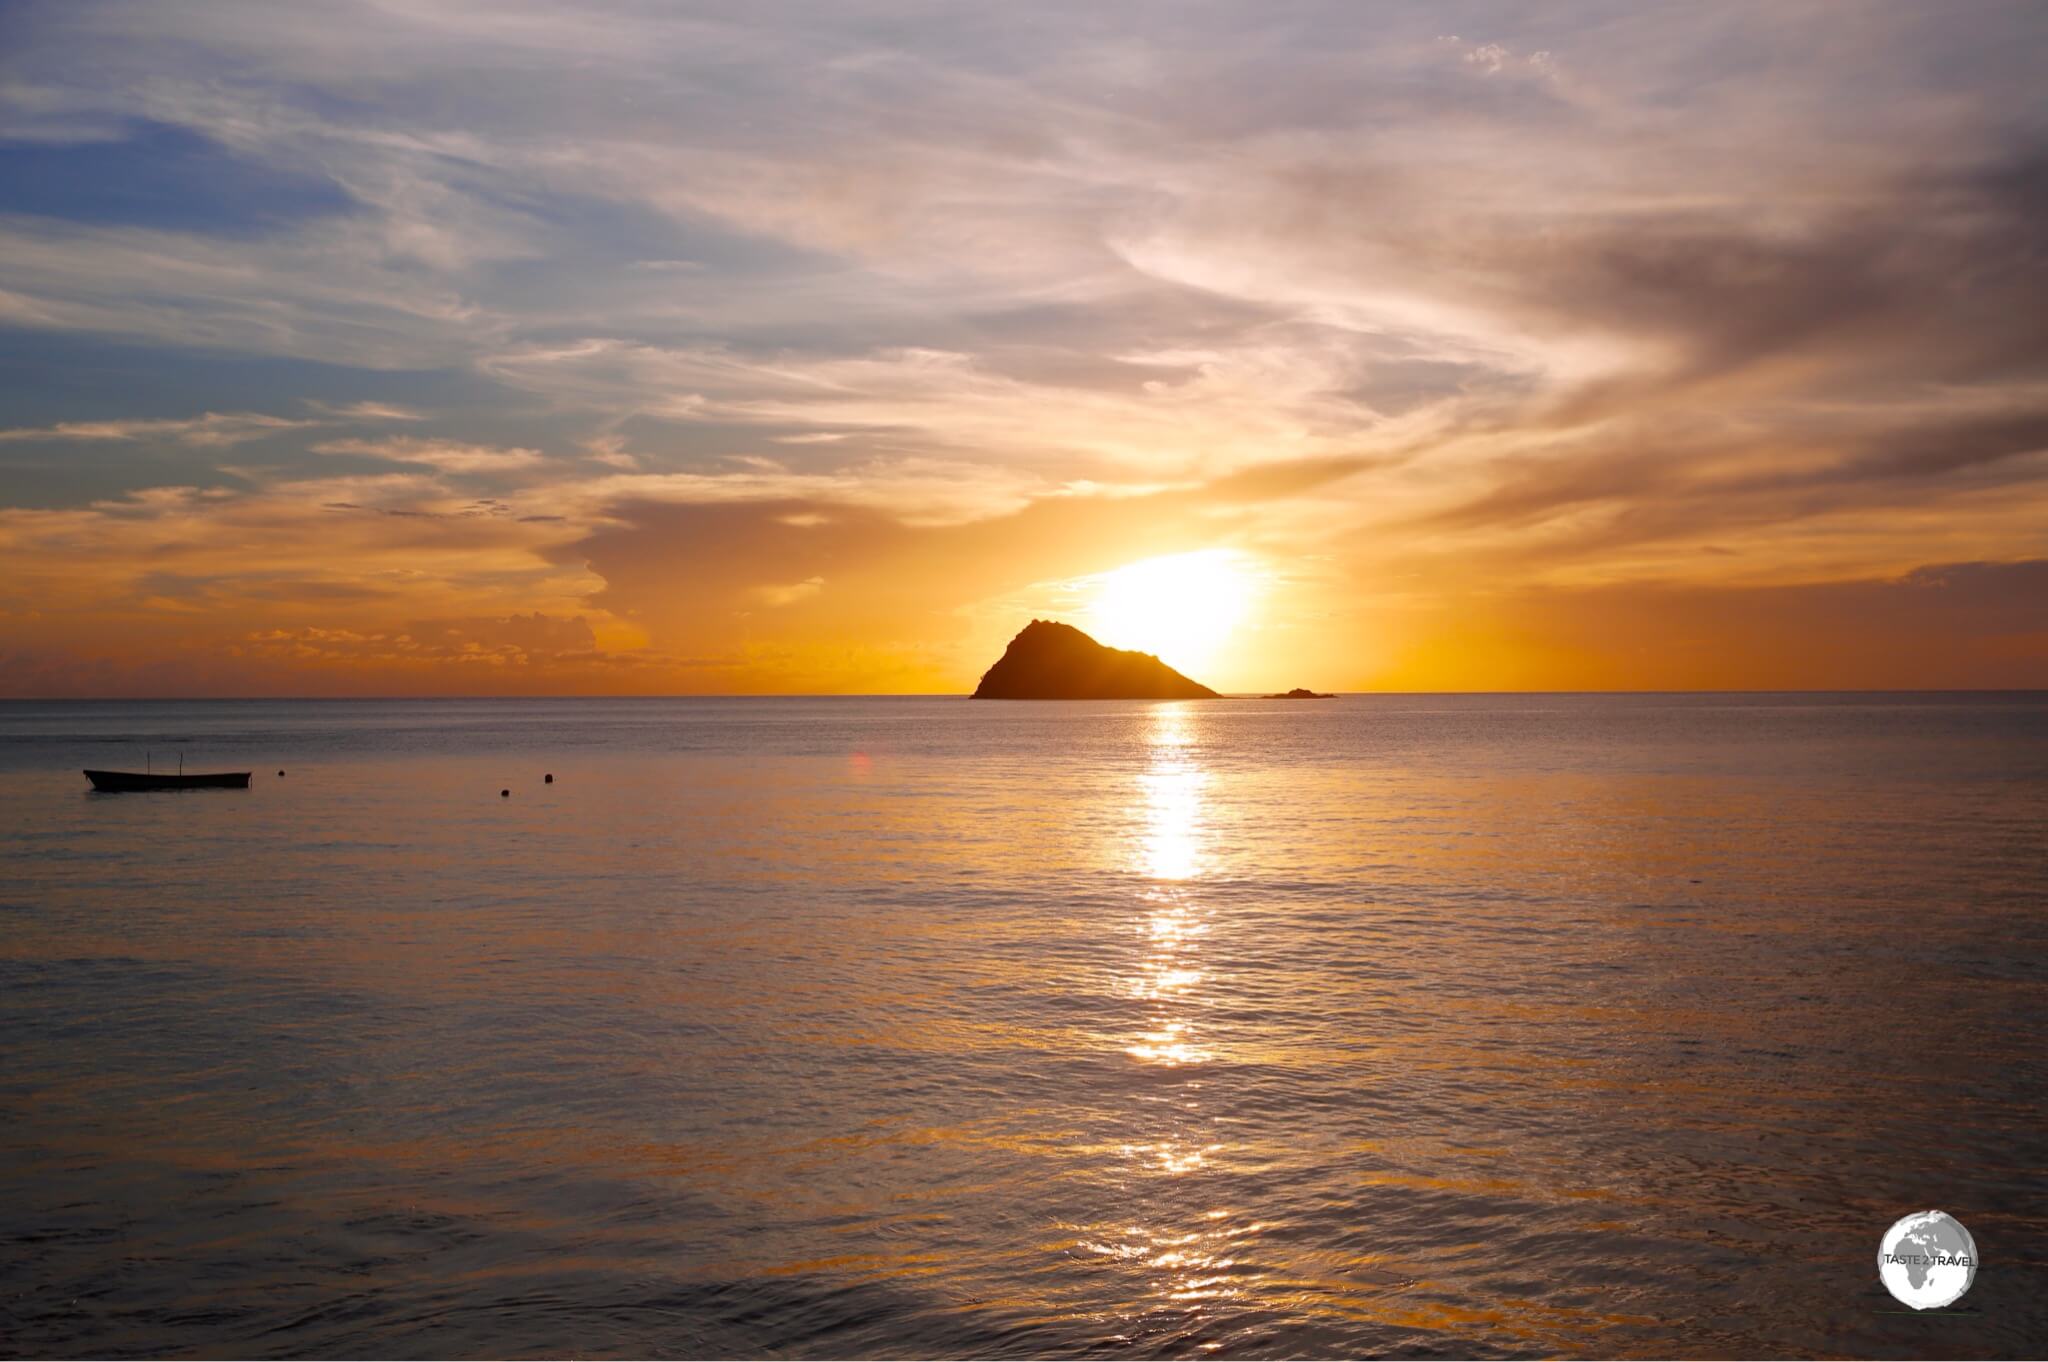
1426,1025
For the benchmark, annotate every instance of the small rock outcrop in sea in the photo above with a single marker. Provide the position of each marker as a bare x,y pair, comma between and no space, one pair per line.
1301,693
1050,661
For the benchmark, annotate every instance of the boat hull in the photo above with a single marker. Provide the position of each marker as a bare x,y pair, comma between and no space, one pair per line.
137,780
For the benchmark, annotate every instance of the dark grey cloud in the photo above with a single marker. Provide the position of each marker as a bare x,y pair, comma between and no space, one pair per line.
1693,488
1966,624
1934,278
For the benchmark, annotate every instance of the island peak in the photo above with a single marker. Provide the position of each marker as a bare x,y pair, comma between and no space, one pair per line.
1048,660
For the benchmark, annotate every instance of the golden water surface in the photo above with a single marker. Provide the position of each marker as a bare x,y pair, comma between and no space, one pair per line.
1477,1025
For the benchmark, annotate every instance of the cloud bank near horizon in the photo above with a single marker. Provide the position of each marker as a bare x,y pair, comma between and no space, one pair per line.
375,347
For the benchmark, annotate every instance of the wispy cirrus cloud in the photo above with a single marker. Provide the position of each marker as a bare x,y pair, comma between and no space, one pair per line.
448,456
366,411
214,430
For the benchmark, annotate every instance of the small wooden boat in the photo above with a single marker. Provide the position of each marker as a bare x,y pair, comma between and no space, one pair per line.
141,780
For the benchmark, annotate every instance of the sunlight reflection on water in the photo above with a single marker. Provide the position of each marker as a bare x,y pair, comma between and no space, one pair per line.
1171,922
1189,1265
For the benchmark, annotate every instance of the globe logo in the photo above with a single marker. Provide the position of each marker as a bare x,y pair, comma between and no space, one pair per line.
1927,1260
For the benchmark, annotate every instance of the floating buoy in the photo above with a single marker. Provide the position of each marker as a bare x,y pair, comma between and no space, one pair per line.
504,794
280,773
550,778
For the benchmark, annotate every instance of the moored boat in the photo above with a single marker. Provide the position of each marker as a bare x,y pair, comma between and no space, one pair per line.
143,780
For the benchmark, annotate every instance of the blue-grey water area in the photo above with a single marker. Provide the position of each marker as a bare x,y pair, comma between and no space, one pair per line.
1424,1025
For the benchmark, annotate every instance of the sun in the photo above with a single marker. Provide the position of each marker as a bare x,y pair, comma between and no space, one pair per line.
1182,608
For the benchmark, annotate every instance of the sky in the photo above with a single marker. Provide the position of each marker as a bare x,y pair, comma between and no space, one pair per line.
495,348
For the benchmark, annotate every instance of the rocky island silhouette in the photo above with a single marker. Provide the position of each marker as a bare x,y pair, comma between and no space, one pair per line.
1052,661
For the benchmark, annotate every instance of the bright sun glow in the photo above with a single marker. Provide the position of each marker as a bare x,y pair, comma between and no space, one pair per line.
1182,608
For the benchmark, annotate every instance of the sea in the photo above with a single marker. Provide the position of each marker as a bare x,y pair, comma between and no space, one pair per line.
1422,1025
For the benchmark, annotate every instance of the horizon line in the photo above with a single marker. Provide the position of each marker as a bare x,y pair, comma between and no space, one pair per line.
963,695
